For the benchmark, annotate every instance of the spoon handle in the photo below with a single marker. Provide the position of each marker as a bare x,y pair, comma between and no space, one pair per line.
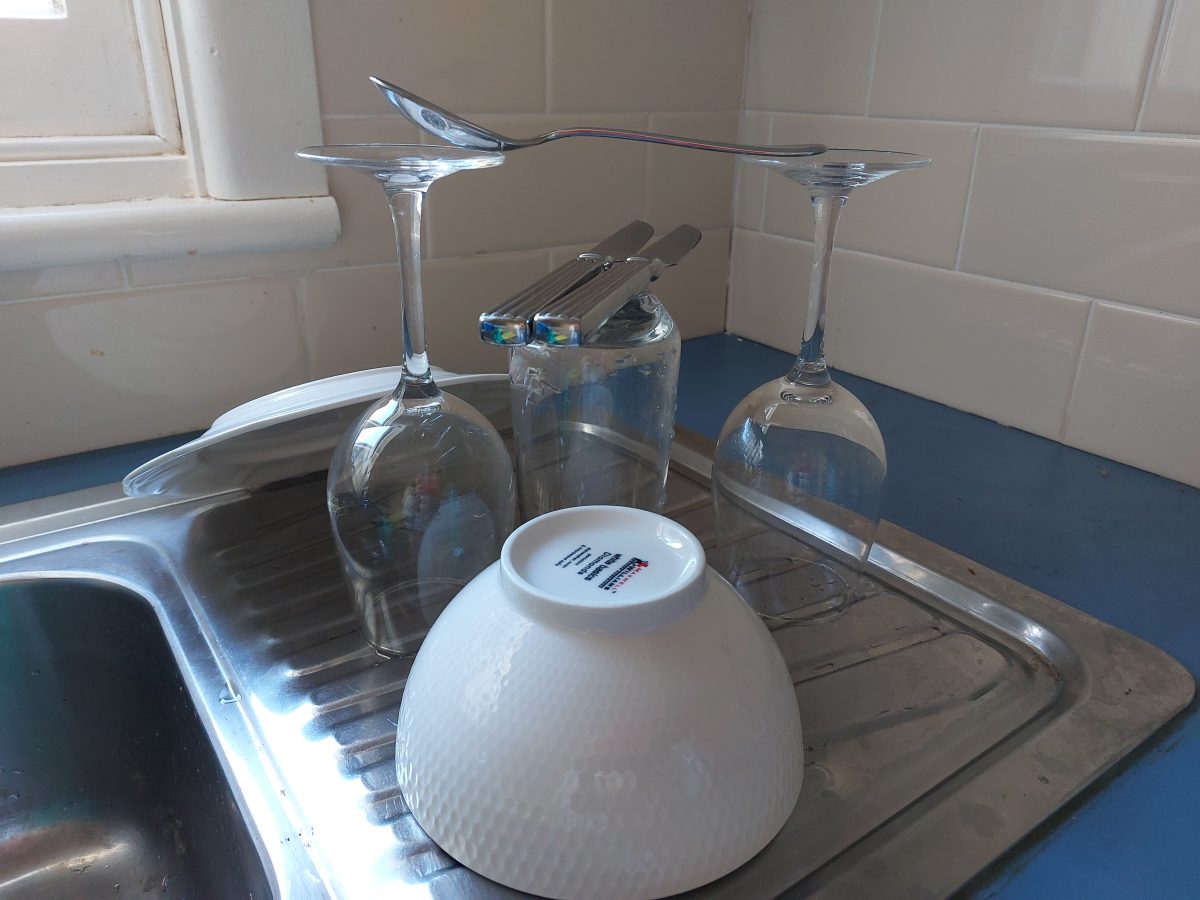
686,142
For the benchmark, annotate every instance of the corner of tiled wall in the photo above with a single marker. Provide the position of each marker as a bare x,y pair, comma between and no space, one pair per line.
1042,272
104,354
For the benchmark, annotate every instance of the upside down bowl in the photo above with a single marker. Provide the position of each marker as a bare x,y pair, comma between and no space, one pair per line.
598,714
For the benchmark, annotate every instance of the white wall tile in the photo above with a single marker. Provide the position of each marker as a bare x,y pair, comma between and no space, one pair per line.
468,56
1056,62
351,319
22,284
1001,350
1105,215
352,316
751,181
612,64
1173,98
1099,215
913,215
646,54
694,291
105,369
559,193
768,288
810,56
457,291
686,186
1137,398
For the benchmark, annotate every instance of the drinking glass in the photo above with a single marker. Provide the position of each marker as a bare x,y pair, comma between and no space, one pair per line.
592,424
420,489
800,467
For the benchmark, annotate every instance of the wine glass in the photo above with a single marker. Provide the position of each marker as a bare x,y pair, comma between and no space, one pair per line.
420,489
799,469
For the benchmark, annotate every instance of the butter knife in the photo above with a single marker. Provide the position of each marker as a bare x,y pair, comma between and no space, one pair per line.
512,321
569,320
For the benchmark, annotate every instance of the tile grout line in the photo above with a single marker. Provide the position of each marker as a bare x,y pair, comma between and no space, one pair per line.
1141,136
740,189
874,56
1144,136
996,279
152,288
739,166
647,149
1059,292
962,231
493,255
299,294
1156,52
729,297
745,99
762,206
546,33
1087,328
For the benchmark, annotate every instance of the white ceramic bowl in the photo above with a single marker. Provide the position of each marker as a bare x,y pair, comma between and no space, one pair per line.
599,715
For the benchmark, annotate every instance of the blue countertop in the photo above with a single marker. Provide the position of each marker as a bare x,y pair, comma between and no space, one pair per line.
1116,542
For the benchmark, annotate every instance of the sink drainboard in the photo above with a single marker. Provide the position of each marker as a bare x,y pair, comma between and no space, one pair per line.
947,714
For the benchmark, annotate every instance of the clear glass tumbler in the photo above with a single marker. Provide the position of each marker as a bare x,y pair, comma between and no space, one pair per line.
593,424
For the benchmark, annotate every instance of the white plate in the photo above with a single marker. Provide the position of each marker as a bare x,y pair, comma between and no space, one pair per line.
288,433
336,389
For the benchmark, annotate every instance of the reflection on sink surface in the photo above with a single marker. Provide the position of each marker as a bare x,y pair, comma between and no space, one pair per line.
108,783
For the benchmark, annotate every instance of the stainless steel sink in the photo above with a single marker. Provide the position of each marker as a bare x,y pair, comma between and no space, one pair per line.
109,784
184,697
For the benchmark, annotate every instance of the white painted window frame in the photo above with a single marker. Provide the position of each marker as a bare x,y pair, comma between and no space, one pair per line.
165,139
246,93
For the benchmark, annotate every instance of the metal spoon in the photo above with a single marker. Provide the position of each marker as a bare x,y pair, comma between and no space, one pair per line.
460,132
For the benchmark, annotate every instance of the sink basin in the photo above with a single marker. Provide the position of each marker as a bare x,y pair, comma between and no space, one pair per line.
109,785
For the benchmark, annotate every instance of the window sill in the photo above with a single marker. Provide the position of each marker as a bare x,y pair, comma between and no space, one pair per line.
39,237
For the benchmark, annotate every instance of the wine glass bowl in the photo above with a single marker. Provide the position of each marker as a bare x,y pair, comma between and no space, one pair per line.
798,476
420,502
420,489
800,467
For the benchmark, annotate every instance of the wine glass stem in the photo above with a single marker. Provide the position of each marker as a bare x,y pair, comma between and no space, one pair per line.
406,204
809,369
